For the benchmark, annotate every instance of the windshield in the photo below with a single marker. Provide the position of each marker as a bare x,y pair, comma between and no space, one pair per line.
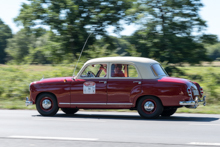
158,70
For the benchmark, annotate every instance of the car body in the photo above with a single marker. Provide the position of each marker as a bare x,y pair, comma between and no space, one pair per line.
116,83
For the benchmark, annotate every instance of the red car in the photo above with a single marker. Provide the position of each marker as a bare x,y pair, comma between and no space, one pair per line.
116,83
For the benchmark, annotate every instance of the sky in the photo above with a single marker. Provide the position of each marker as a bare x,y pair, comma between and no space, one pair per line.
9,9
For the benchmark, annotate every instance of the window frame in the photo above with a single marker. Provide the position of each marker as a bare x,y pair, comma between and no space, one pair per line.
110,77
84,67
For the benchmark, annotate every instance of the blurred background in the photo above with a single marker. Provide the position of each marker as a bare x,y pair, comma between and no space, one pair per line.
45,37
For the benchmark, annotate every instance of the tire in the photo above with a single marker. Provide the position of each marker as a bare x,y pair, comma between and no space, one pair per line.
69,110
168,111
47,104
149,107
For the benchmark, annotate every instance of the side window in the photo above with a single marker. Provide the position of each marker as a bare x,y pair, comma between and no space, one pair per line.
123,70
132,72
95,70
117,70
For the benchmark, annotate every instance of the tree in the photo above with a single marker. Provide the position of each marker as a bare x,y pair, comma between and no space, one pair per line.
18,46
73,20
214,51
5,33
172,30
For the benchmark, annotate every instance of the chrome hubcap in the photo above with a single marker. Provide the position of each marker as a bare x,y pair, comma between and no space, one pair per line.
149,106
46,104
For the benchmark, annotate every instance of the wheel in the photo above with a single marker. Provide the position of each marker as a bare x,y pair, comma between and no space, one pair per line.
69,110
149,107
168,111
47,104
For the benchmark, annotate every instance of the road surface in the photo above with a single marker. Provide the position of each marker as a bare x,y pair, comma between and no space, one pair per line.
26,128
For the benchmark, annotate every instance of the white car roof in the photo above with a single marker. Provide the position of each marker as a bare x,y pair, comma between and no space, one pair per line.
123,59
143,65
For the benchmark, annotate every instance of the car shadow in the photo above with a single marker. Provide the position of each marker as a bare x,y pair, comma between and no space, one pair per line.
133,117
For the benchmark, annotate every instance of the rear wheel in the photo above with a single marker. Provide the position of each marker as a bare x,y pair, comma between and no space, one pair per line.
168,111
69,110
47,104
149,107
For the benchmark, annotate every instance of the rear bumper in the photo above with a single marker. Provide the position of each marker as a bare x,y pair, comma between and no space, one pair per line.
193,104
27,103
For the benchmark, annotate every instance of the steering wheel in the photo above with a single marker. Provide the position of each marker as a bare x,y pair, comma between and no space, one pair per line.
90,74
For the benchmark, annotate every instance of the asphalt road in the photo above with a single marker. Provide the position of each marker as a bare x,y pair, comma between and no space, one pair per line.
26,128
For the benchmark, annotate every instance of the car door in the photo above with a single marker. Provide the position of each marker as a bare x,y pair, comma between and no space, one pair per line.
123,85
91,87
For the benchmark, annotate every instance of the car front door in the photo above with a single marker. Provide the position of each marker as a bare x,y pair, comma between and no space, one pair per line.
90,89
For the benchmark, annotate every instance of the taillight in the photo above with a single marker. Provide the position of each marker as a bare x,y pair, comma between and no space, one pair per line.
189,92
201,90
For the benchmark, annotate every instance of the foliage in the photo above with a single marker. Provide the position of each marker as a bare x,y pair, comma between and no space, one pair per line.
18,46
214,51
208,78
5,33
73,20
168,31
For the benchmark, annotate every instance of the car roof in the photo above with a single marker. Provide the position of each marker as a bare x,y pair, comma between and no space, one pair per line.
143,64
123,59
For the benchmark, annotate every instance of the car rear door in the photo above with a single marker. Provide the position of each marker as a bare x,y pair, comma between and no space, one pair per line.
123,90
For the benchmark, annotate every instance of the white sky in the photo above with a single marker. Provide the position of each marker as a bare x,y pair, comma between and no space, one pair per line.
9,9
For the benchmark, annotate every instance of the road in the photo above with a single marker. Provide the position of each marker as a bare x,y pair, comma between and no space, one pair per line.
26,128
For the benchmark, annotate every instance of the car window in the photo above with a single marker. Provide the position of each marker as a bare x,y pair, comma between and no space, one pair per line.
132,71
123,70
158,70
95,70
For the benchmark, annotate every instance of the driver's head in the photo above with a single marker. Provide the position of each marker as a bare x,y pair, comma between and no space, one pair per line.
118,68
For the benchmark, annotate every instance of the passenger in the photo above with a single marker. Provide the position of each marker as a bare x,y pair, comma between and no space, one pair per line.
117,71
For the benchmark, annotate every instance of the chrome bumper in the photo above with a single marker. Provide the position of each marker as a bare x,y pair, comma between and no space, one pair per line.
193,104
28,102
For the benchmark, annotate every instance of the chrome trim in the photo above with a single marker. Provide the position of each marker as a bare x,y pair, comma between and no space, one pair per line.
186,103
64,103
27,103
193,104
46,104
96,104
119,104
149,106
103,82
203,100
88,103
139,82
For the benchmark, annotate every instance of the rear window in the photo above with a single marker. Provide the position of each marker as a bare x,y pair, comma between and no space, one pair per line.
158,70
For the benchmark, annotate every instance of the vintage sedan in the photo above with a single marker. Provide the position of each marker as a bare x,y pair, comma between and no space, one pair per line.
133,83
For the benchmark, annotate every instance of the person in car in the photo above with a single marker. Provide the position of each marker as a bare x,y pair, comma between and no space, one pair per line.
118,71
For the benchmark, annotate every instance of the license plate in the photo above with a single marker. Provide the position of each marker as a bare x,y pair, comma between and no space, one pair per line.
195,92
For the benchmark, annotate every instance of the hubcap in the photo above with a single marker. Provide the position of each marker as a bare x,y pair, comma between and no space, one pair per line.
149,106
46,104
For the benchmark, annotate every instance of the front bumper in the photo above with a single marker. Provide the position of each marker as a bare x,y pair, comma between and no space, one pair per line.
193,104
28,102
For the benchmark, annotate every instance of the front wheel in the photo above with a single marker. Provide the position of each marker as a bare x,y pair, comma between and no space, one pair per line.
47,104
69,110
149,107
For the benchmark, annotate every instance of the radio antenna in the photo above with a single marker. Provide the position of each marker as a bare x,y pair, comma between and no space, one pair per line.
82,52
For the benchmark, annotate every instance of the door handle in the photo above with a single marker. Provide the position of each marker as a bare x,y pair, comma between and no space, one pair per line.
139,82
103,82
